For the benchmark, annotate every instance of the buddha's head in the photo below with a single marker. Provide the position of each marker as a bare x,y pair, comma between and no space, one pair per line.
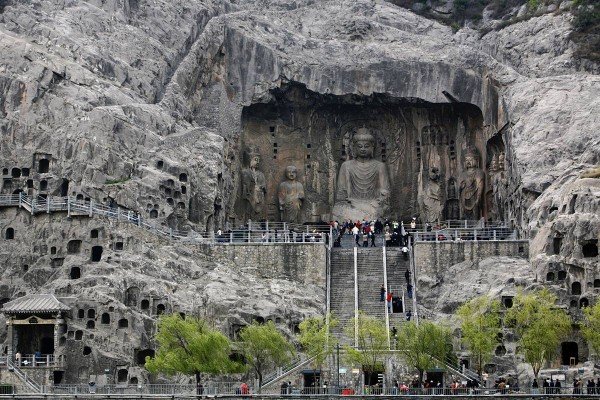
252,156
291,172
471,158
364,144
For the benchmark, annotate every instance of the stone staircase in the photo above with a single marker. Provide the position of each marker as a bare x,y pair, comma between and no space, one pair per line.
397,266
370,273
342,291
370,279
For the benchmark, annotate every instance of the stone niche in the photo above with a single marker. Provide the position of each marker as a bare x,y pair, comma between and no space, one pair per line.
423,146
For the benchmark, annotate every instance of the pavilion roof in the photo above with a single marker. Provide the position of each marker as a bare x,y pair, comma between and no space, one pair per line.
35,303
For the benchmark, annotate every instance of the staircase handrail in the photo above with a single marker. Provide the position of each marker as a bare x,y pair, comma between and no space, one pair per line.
23,376
463,372
286,371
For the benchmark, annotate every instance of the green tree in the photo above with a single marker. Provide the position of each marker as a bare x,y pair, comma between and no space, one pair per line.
316,339
372,350
540,325
263,346
189,346
480,323
424,346
591,327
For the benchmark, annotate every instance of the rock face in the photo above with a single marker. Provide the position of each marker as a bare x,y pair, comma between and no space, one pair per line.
150,106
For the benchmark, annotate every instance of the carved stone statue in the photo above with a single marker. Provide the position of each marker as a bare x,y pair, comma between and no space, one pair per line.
452,206
494,163
501,161
363,186
472,184
429,195
291,196
253,186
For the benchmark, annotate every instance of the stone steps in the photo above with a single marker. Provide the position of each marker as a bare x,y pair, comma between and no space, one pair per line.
342,290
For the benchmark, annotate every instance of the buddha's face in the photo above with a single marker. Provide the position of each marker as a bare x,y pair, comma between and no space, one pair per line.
291,173
434,173
364,148
254,161
470,162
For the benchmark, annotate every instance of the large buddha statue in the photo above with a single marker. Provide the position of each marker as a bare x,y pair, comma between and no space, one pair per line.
253,186
472,182
290,196
363,186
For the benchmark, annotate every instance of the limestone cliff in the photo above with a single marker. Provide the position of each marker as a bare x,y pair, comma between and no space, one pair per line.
148,106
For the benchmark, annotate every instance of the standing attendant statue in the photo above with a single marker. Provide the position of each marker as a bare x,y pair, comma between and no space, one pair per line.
472,184
254,187
291,196
363,186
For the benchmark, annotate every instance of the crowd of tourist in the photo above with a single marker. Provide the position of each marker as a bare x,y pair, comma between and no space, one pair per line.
366,231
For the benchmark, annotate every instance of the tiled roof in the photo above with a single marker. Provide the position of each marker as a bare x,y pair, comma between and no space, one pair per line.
40,303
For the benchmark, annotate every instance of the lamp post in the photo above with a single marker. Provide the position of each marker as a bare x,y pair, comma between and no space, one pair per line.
337,347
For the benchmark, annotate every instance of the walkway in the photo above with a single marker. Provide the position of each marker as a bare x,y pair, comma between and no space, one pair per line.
265,233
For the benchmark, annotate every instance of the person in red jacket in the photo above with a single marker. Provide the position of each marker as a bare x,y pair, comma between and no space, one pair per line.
390,297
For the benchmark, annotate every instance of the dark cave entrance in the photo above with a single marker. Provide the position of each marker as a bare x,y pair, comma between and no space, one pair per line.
35,338
569,352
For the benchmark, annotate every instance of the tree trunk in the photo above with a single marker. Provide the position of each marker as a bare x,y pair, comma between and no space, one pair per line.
199,389
421,372
260,378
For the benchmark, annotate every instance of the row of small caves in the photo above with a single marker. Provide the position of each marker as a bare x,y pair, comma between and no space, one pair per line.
556,272
74,247
16,180
173,189
151,306
569,350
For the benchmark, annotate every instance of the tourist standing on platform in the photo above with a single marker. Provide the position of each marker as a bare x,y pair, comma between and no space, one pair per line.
355,232
390,297
372,235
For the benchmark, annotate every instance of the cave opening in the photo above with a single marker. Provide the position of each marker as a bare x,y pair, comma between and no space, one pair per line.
142,354
569,353
75,273
590,248
43,166
556,245
96,253
576,288
421,148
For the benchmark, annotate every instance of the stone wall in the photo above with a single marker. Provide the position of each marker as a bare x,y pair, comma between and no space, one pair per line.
434,256
304,263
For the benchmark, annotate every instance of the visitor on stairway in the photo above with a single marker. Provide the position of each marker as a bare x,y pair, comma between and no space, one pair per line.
390,297
388,239
365,238
405,252
382,293
408,315
409,290
372,236
355,232
407,275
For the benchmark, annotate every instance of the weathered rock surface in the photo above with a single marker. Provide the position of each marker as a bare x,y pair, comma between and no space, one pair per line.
139,104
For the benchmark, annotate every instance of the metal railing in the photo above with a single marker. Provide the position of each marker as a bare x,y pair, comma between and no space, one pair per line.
212,388
466,234
32,360
254,232
405,390
30,383
288,369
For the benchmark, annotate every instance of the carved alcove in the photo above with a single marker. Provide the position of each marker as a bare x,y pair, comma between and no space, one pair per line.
423,146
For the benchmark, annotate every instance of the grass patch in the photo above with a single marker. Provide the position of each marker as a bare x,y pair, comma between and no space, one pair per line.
116,181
